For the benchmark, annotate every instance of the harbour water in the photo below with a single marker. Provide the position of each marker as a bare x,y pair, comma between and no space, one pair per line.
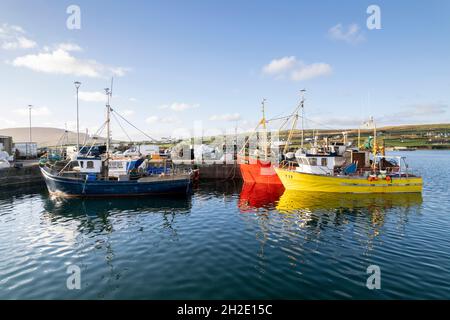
227,241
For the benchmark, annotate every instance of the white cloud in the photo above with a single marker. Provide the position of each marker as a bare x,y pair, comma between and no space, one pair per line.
60,61
277,66
351,34
166,120
92,96
225,117
311,71
296,70
35,111
133,99
19,43
127,112
416,113
13,37
152,119
68,46
177,106
412,114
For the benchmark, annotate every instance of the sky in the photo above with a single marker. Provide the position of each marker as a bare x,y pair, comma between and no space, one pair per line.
184,67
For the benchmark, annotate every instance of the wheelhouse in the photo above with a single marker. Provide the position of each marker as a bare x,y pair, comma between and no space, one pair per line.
88,164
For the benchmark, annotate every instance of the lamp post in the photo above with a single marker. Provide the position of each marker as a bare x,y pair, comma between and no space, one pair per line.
77,86
29,118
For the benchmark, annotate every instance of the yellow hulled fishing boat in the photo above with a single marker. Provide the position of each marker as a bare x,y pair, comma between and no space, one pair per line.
340,168
383,183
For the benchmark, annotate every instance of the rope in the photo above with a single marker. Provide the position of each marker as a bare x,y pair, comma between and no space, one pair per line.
145,134
120,125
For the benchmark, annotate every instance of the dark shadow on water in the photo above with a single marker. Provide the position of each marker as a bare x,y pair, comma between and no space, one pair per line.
99,207
10,192
218,187
99,216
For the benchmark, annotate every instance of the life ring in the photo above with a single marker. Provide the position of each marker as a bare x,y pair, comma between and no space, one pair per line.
388,179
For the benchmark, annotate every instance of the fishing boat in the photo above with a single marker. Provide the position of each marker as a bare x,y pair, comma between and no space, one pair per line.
339,168
91,175
258,165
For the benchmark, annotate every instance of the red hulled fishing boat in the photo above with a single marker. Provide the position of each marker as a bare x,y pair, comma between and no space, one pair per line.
259,166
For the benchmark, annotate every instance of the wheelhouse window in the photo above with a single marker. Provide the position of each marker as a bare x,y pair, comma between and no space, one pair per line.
313,161
81,164
90,165
116,165
323,162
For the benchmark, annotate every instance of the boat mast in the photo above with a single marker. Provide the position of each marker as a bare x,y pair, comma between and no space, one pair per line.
359,137
302,103
263,121
77,86
374,138
108,120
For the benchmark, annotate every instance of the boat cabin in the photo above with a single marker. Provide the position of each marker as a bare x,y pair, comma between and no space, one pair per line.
122,166
316,164
88,164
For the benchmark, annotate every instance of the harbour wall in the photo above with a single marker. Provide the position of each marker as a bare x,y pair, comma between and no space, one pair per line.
212,169
28,174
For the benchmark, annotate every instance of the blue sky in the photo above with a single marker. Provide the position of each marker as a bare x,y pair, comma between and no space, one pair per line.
177,63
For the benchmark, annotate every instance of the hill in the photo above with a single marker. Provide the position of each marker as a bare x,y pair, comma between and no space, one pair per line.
45,137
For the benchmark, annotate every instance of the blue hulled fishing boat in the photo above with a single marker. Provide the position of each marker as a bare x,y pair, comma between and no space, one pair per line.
91,175
90,185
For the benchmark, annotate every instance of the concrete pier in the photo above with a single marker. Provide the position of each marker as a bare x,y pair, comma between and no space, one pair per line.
28,174
212,169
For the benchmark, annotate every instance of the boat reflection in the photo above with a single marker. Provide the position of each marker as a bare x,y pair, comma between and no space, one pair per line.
259,195
99,207
310,207
294,201
93,224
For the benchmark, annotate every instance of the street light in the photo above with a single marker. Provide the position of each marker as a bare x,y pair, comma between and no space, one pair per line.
77,86
29,117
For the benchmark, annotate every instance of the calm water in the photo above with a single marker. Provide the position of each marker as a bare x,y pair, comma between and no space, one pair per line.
227,241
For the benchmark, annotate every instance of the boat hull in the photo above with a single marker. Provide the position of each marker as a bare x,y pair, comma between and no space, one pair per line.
293,180
257,171
70,187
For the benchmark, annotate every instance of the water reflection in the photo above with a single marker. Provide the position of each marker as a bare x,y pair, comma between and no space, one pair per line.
104,225
99,215
106,206
366,213
302,219
255,196
300,201
218,187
